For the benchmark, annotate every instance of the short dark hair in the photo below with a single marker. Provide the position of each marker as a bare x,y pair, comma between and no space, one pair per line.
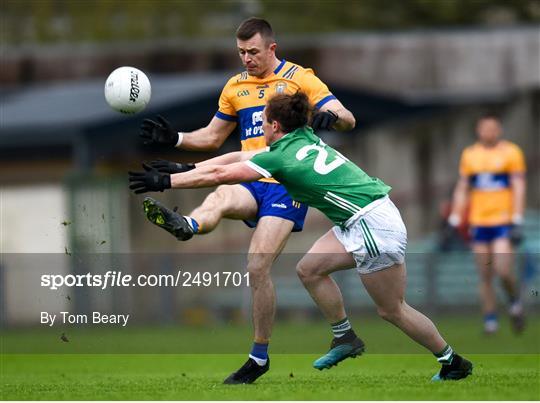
489,116
252,26
290,111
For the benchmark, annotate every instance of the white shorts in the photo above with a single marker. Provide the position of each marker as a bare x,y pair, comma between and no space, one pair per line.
376,236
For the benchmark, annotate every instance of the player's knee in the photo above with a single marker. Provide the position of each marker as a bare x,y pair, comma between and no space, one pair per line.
217,198
220,194
211,201
222,191
305,271
259,274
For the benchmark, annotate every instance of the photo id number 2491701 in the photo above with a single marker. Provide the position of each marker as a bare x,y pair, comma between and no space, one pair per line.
209,279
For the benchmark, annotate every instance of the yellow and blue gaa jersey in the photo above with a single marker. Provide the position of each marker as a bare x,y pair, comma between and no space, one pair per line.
243,99
489,172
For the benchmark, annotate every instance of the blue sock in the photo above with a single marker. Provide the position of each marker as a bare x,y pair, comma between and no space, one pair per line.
492,316
259,352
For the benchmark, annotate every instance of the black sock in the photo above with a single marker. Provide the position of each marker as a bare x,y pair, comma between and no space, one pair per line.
339,329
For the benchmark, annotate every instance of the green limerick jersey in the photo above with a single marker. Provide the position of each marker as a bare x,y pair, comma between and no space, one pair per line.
319,176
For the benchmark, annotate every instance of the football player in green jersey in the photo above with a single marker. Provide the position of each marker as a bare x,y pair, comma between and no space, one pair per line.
369,233
265,204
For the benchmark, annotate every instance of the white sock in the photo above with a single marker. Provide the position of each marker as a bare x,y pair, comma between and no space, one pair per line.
260,361
516,308
190,222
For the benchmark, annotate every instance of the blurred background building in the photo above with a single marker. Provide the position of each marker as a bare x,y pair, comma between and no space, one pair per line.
416,74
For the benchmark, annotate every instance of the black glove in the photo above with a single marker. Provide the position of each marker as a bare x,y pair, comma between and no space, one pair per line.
516,234
171,167
323,120
447,236
151,180
160,132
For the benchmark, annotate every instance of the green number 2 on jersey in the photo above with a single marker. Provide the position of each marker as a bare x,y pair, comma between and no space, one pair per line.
320,166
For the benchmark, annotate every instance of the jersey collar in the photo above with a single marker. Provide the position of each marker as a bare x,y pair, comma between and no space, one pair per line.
280,66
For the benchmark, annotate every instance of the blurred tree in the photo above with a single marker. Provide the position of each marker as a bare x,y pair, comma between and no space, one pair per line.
50,21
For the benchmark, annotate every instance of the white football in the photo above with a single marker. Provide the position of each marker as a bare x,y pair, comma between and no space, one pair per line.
127,90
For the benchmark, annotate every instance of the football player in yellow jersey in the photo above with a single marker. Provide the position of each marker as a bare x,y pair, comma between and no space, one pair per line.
266,204
492,180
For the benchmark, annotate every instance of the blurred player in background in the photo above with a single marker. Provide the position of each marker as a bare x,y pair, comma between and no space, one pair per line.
265,204
369,233
492,176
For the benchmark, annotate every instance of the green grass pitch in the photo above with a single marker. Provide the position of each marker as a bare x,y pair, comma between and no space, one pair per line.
199,377
78,375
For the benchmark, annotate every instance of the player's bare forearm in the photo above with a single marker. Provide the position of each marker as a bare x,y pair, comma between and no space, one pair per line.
518,190
346,120
197,178
460,197
209,138
199,140
213,175
203,139
229,158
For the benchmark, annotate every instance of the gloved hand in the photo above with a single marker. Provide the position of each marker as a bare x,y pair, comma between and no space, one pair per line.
160,132
171,167
516,234
449,232
447,235
323,120
151,180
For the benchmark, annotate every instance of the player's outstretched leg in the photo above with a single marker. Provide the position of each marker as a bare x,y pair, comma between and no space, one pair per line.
326,256
167,219
248,373
227,201
387,289
517,317
486,272
346,346
504,266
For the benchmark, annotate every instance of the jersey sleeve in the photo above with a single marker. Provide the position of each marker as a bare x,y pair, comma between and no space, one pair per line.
517,161
226,110
317,91
267,163
464,167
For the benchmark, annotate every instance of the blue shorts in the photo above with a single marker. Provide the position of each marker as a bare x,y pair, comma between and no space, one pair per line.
273,200
488,234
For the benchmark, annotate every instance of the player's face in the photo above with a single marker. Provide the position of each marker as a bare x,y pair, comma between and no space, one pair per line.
257,55
489,131
269,129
